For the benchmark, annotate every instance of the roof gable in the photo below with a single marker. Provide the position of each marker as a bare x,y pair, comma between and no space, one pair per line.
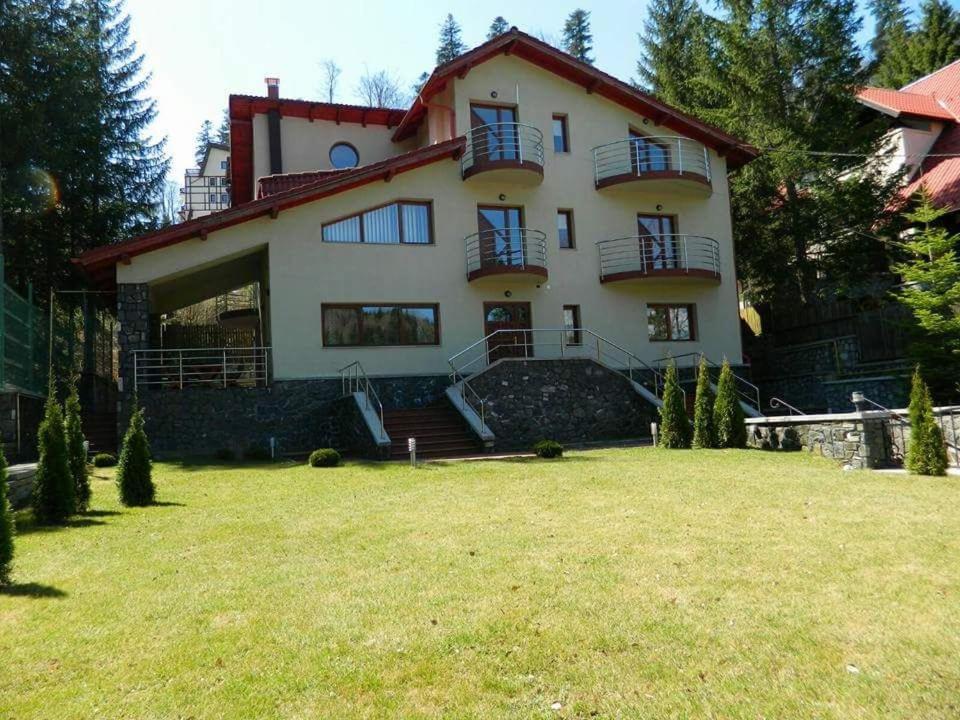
897,103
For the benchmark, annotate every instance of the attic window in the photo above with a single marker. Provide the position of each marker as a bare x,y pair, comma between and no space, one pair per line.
344,155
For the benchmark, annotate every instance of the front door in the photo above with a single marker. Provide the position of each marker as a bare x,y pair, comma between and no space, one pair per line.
501,236
658,249
511,323
494,133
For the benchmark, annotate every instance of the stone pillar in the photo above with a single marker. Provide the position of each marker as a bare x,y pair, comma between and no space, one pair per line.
133,315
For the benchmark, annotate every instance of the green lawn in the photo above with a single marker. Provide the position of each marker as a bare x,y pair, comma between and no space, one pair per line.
618,583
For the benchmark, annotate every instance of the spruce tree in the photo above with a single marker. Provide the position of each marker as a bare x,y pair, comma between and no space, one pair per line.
6,525
911,54
204,138
674,424
577,38
703,435
498,27
926,452
76,452
889,29
673,48
451,46
134,468
54,498
728,420
223,131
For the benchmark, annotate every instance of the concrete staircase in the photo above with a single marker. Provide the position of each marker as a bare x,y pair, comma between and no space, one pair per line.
439,429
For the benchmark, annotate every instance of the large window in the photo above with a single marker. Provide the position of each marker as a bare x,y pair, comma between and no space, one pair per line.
402,222
671,322
378,325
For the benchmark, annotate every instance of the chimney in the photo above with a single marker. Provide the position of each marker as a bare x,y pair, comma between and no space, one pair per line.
273,87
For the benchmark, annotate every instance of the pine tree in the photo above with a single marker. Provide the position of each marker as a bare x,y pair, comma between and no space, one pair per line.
419,83
729,428
223,131
890,28
76,451
577,38
53,493
134,468
911,54
674,423
204,138
674,46
451,46
703,435
498,27
927,452
6,525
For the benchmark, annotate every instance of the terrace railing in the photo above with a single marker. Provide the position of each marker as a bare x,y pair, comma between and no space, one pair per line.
505,250
354,379
502,144
179,368
646,255
636,158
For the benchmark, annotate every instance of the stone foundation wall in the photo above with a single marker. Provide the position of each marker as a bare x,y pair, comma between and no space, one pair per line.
563,400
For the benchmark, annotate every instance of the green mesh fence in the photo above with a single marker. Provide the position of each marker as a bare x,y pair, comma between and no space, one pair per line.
25,338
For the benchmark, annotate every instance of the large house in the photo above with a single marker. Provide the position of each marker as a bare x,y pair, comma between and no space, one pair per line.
206,187
517,252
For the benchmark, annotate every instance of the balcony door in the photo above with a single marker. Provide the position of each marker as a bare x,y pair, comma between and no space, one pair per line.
646,155
501,235
658,247
511,323
494,133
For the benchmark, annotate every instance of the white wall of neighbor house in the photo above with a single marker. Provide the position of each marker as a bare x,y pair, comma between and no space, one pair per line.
305,272
908,146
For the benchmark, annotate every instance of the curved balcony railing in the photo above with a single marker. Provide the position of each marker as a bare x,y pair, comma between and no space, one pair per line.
500,146
661,256
642,158
505,251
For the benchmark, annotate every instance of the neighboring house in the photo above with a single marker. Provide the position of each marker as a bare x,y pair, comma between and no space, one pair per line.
206,189
924,133
524,194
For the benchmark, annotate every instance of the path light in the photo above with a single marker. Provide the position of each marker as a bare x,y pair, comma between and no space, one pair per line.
412,447
653,433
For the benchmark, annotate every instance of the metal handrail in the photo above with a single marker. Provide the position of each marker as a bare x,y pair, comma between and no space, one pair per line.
776,403
640,156
177,368
476,403
519,248
648,254
353,379
748,392
501,141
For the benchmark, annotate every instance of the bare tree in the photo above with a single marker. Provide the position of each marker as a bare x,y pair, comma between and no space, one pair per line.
168,208
331,74
380,89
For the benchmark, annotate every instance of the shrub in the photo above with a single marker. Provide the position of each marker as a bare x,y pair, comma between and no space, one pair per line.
324,457
6,525
927,452
76,452
53,491
729,427
674,423
257,452
104,460
224,454
134,471
703,436
548,449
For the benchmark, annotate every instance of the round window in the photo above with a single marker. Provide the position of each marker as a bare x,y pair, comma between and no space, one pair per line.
344,155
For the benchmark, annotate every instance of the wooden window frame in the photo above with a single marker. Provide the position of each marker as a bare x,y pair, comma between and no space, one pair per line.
359,308
565,123
571,233
577,323
691,319
362,241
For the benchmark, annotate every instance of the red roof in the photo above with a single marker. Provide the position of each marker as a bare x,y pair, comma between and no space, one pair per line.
944,84
273,184
940,176
897,103
99,262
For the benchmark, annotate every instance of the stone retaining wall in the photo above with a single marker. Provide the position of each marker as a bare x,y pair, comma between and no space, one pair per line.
20,485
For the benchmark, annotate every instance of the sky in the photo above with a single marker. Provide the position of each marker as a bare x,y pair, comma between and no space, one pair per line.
201,51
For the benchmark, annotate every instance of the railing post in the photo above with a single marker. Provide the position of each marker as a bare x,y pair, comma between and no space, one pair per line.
686,258
136,380
706,163
680,155
596,168
180,367
519,143
643,255
224,367
598,349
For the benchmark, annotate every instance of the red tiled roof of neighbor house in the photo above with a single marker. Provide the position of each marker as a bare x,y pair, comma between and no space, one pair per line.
99,263
940,176
274,184
944,84
515,42
897,103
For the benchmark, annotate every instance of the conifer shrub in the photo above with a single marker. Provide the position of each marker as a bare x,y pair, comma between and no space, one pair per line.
102,460
548,449
54,489
703,436
729,428
6,525
76,451
324,457
675,431
926,452
134,471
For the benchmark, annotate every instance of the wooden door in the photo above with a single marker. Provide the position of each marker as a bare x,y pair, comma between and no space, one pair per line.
511,322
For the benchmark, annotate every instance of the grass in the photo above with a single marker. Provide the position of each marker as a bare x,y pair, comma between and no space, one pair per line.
617,583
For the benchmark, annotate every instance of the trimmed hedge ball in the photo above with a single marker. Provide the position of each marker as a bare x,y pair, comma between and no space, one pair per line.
324,457
548,449
104,460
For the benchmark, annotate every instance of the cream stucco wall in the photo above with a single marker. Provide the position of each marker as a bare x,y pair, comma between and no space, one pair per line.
305,272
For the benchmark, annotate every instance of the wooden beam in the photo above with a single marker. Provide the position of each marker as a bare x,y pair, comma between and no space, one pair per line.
125,259
203,234
363,118
464,71
389,176
274,211
593,85
508,48
338,116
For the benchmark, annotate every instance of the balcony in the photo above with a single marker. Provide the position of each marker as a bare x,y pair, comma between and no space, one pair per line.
519,253
671,257
505,152
663,163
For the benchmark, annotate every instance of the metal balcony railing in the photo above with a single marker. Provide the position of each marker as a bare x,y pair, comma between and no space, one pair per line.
354,379
502,144
638,157
506,250
178,368
647,255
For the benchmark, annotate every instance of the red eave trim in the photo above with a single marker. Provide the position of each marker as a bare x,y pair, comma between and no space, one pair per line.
94,262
